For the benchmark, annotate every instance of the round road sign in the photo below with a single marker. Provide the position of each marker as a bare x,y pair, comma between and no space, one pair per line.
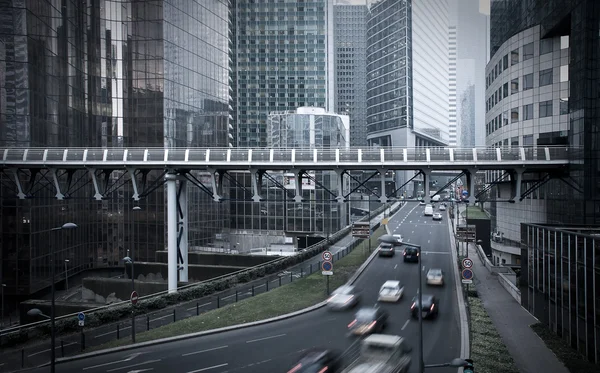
327,266
465,193
467,274
81,316
467,263
327,256
134,297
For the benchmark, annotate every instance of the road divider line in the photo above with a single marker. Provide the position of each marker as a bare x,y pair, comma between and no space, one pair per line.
134,365
208,368
239,294
160,318
207,350
48,350
111,332
131,357
200,305
395,266
423,268
265,338
405,324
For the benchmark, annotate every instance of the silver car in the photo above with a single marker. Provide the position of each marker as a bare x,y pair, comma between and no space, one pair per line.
343,298
437,216
435,276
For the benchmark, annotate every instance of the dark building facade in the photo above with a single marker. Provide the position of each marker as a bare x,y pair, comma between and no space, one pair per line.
560,278
106,74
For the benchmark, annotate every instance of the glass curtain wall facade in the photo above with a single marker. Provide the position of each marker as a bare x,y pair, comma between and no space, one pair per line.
281,62
560,277
106,74
351,68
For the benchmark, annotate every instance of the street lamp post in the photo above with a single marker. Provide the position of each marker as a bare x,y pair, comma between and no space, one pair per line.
129,260
66,275
2,318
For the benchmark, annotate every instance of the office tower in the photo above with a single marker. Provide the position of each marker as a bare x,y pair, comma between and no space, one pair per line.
408,75
106,74
351,68
542,89
284,59
452,52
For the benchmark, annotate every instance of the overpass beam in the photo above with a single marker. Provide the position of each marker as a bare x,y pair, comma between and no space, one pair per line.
340,179
182,239
470,175
426,175
516,180
383,195
172,222
257,181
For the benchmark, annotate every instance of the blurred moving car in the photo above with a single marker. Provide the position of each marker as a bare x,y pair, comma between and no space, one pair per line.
437,216
316,361
386,249
391,291
435,276
442,207
398,238
411,254
368,320
343,298
381,353
430,307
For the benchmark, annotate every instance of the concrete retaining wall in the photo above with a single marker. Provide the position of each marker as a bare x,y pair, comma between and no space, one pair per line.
509,286
506,276
212,259
60,309
159,271
111,290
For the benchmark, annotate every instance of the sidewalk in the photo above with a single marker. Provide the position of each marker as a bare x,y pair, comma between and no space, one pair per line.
512,322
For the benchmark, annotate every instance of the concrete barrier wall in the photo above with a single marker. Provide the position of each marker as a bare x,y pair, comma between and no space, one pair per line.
510,287
159,271
212,259
110,290
60,309
490,267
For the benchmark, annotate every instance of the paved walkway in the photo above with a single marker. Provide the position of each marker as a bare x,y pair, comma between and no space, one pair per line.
512,323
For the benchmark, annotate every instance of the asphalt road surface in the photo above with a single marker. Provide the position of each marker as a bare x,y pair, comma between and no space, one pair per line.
275,347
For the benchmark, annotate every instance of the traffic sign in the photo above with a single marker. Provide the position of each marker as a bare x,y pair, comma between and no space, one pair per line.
465,193
327,273
81,316
327,266
467,274
134,297
467,263
467,281
361,229
327,256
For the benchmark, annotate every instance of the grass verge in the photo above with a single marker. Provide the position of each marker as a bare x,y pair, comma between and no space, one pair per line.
573,360
298,295
488,351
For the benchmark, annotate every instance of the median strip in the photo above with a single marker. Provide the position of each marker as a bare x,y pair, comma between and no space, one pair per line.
298,295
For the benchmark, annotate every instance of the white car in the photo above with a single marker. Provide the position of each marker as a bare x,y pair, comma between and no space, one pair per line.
398,237
343,297
391,291
422,203
437,216
442,208
435,276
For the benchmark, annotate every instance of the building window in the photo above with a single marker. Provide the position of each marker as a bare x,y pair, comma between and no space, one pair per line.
546,46
514,115
564,106
528,112
505,61
514,86
527,81
505,90
546,109
528,140
505,118
564,42
527,51
564,73
514,141
514,57
545,77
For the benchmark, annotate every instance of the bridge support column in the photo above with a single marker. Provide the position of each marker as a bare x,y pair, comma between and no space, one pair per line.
516,180
340,179
217,184
298,185
426,174
172,221
383,198
182,239
257,176
470,175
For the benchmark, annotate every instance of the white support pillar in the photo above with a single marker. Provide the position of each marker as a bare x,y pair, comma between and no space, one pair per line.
426,192
172,231
256,176
183,228
382,172
298,185
340,187
516,180
471,185
58,195
97,194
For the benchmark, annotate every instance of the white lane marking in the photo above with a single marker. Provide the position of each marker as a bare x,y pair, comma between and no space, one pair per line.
412,232
408,240
396,266
239,294
112,332
200,306
405,324
48,350
207,350
140,370
134,365
131,357
160,318
265,338
208,368
436,252
428,241
423,268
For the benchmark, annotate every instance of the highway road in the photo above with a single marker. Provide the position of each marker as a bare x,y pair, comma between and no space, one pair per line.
275,347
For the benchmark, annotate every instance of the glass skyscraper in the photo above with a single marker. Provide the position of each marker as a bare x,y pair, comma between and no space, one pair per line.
106,74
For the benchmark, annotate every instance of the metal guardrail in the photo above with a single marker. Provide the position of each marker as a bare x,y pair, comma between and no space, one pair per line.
355,158
334,238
